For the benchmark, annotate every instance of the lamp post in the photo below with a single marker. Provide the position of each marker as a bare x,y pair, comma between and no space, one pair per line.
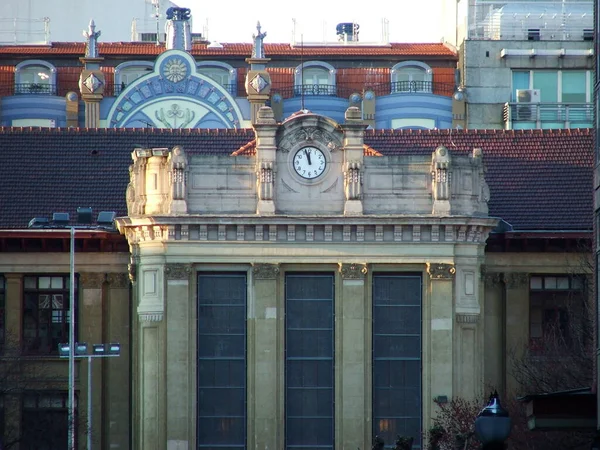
492,425
81,351
105,221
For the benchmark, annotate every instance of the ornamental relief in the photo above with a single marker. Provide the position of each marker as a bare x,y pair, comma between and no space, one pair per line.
118,280
516,280
176,271
441,271
308,135
353,271
90,280
265,271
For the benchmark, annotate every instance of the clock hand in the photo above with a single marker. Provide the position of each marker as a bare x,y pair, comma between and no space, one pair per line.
307,153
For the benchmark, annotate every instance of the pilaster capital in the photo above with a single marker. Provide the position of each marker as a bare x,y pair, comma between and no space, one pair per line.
177,271
91,280
118,280
467,318
491,279
150,317
516,280
265,271
441,271
353,271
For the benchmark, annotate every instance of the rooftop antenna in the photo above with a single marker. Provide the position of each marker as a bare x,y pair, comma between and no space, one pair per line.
293,31
302,72
205,30
157,16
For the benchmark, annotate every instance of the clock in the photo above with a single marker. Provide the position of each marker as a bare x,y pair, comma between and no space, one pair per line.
309,162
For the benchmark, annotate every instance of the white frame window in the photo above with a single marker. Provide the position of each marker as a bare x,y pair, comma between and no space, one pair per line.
35,76
221,73
315,78
411,76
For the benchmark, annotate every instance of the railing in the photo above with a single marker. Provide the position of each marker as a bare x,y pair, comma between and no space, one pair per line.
35,88
531,20
115,89
539,113
344,91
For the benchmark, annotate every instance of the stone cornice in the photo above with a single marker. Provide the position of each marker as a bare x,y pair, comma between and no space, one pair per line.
307,229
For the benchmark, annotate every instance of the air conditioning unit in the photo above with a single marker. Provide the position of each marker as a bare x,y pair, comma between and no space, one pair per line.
525,98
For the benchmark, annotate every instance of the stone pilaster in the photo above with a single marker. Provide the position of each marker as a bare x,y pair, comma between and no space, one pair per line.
353,161
353,359
117,370
89,324
517,322
266,129
13,309
265,376
441,277
179,320
493,348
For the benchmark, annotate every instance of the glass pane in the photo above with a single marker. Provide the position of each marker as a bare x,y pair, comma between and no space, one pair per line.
57,283
550,282
562,282
30,282
520,80
535,283
44,282
547,83
573,86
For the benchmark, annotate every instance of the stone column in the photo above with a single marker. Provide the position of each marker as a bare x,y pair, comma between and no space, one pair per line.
180,428
265,378
89,330
468,364
151,359
517,322
441,277
118,370
13,333
493,347
353,360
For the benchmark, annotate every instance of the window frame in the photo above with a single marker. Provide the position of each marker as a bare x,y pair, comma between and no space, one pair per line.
129,66
29,439
589,88
51,348
401,86
231,85
43,88
302,87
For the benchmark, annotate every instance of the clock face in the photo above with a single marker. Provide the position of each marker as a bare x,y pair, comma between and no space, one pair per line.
309,162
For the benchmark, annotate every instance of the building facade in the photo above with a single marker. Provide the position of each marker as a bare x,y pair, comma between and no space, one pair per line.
275,305
525,65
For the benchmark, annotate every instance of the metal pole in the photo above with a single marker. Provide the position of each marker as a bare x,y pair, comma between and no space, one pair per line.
89,404
71,402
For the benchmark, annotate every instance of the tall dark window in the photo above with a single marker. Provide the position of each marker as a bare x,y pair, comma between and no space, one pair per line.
46,312
45,421
309,362
222,361
397,357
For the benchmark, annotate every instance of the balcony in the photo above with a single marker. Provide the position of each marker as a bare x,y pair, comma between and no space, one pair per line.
35,88
548,115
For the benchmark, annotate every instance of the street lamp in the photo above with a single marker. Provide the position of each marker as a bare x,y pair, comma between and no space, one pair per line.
492,425
105,221
81,351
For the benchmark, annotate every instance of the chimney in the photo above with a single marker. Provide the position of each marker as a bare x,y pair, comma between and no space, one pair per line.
177,28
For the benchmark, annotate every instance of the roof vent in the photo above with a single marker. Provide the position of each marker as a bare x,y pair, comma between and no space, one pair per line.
214,44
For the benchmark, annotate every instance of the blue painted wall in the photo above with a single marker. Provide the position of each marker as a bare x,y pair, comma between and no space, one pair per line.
33,107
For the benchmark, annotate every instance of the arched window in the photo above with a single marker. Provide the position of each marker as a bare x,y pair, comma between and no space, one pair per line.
35,77
128,72
315,78
221,73
411,76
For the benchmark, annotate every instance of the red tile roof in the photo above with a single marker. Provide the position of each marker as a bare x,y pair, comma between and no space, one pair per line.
538,179
236,50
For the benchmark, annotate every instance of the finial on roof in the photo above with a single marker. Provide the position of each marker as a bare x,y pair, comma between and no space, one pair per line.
258,49
91,46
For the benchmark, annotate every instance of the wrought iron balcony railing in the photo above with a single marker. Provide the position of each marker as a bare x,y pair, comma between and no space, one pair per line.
380,89
581,114
35,88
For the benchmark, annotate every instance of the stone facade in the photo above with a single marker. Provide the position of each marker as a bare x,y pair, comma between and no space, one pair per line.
422,215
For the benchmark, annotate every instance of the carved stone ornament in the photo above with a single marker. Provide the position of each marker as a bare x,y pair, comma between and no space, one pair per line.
516,280
467,318
118,280
265,271
150,317
177,271
91,280
492,279
258,83
353,271
92,83
440,271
